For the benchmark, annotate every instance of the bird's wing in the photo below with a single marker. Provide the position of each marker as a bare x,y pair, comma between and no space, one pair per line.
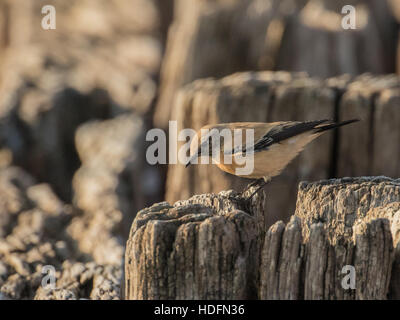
282,131
267,134
239,143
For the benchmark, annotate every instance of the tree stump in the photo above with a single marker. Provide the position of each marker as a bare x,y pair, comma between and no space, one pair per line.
281,262
356,221
202,248
341,243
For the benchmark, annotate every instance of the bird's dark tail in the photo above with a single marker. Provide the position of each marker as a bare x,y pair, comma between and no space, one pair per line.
329,126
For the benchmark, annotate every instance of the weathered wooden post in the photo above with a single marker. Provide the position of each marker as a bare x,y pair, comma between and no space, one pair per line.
341,243
202,248
359,220
339,225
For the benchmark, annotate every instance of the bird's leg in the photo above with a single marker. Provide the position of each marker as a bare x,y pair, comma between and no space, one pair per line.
254,183
265,180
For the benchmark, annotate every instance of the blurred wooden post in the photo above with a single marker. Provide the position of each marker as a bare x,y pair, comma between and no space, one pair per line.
368,147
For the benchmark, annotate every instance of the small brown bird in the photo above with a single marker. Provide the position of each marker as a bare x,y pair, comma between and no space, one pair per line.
274,145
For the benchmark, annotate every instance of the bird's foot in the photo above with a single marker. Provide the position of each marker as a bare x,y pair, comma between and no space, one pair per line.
256,182
260,183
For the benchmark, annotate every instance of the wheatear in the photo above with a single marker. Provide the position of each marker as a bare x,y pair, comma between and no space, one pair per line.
274,145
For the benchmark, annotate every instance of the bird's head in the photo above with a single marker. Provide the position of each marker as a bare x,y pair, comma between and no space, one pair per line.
206,143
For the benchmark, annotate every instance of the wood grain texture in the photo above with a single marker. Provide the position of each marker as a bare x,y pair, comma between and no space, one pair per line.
202,248
208,247
349,222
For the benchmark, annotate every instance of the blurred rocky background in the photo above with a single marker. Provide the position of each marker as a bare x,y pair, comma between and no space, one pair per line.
76,103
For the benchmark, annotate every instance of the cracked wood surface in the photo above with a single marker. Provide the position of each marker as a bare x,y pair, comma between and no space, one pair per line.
358,223
208,247
201,248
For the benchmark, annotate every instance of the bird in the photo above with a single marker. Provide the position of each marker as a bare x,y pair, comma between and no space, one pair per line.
274,146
